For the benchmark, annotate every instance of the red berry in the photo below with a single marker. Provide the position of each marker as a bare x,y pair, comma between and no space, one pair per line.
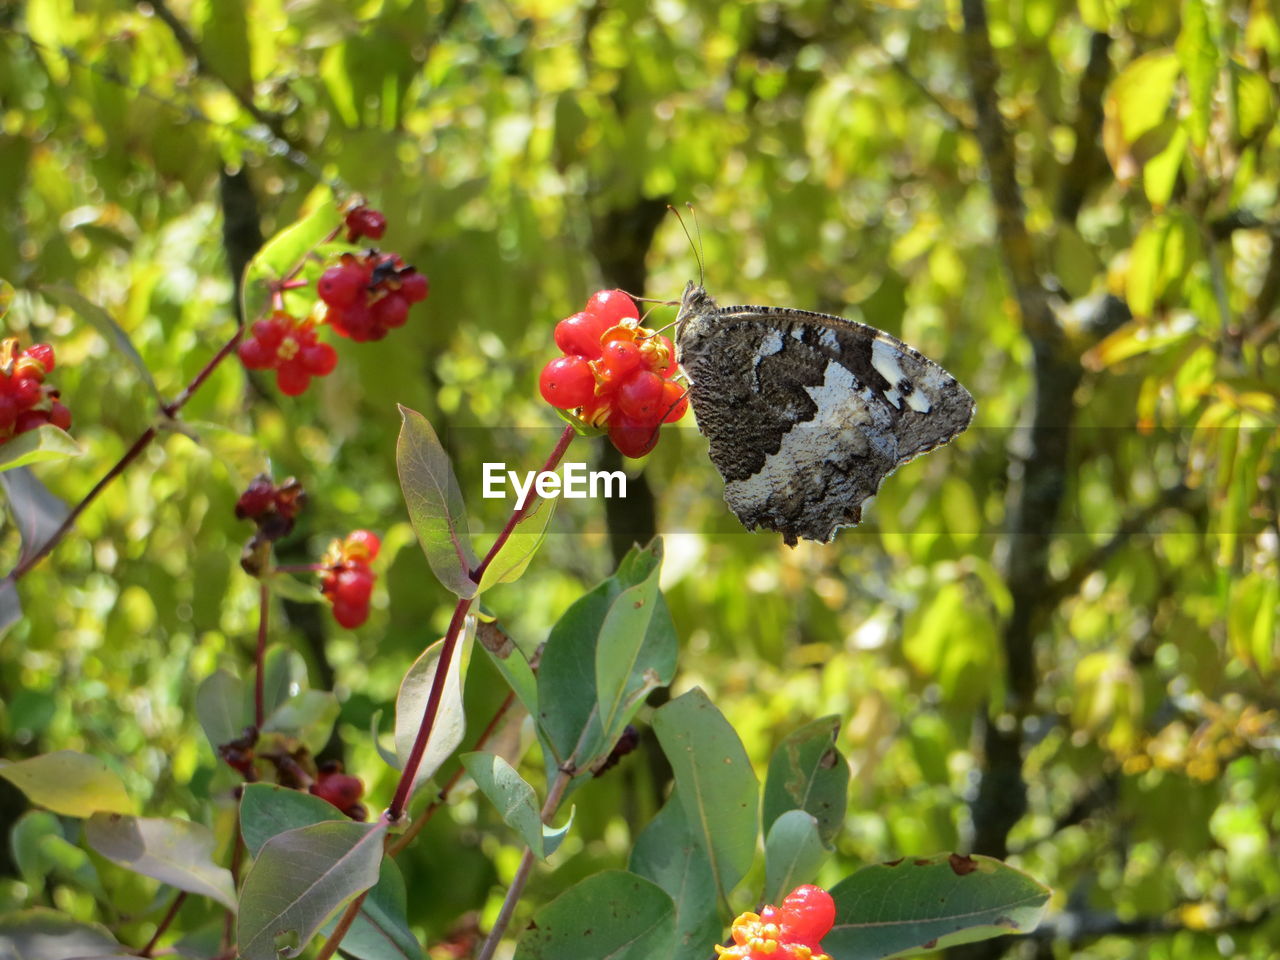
364,222
580,335
271,330
620,358
414,286
319,359
340,286
567,382
292,379
357,323
640,397
25,391
362,545
256,499
60,416
806,914
633,439
255,355
42,353
391,311
613,306
675,401
8,411
350,615
340,789
354,586
30,420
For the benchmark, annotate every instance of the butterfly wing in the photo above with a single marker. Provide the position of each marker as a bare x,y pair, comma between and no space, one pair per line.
807,413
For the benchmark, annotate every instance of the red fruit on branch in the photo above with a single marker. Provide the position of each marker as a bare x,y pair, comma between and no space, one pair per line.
567,382
26,401
364,221
793,931
347,581
288,346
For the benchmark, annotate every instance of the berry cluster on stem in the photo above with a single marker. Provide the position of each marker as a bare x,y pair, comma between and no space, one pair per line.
347,581
26,401
791,931
614,374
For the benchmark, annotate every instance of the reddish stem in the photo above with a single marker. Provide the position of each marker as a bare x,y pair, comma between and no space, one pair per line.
259,704
520,513
170,410
164,924
414,760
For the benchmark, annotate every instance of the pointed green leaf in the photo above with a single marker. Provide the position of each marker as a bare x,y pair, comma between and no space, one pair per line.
102,321
173,851
72,784
36,512
716,783
411,706
808,773
284,252
309,716
510,563
299,879
511,663
923,905
223,708
516,802
34,446
668,853
612,914
267,810
436,507
793,852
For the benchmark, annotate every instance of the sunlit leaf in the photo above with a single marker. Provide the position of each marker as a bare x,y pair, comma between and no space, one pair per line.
34,446
176,852
516,802
807,772
510,562
436,508
285,252
68,783
411,705
1135,111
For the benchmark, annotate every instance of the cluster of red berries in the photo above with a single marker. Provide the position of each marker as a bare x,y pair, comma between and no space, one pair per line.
362,221
288,346
368,295
347,582
341,789
25,401
615,374
792,931
273,508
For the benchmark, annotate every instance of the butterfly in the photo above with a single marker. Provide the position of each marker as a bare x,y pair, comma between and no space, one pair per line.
806,413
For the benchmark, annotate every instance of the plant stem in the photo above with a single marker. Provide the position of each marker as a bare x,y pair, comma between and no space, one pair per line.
556,794
520,512
264,608
344,924
170,410
164,924
414,760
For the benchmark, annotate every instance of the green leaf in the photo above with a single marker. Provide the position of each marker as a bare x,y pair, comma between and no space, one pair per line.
102,321
1135,111
299,878
954,642
923,905
516,802
267,810
1255,111
511,663
68,783
1251,620
223,708
1160,175
176,852
1199,53
43,934
808,773
411,706
793,852
629,661
434,499
41,850
510,562
43,443
568,705
10,605
284,675
668,853
285,252
716,783
611,914
381,931
36,512
309,716
288,587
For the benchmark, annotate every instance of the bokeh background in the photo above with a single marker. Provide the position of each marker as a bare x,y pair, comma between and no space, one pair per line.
1053,641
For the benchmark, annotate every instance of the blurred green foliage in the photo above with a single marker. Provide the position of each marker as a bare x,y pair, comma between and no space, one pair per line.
830,150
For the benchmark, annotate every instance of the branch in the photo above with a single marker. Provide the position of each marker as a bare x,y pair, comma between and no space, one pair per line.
1087,160
997,151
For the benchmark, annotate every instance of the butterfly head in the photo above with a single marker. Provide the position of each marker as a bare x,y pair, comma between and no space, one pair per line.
695,302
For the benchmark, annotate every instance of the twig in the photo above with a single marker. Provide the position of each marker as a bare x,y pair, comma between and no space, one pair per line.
330,946
164,924
1087,160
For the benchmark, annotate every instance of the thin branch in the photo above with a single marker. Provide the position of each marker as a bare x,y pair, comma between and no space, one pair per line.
164,924
951,114
1087,160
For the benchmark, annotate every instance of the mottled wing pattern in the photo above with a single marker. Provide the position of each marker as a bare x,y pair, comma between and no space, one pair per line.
806,413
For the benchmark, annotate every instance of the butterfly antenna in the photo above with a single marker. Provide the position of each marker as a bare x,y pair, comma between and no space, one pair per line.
696,247
702,254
